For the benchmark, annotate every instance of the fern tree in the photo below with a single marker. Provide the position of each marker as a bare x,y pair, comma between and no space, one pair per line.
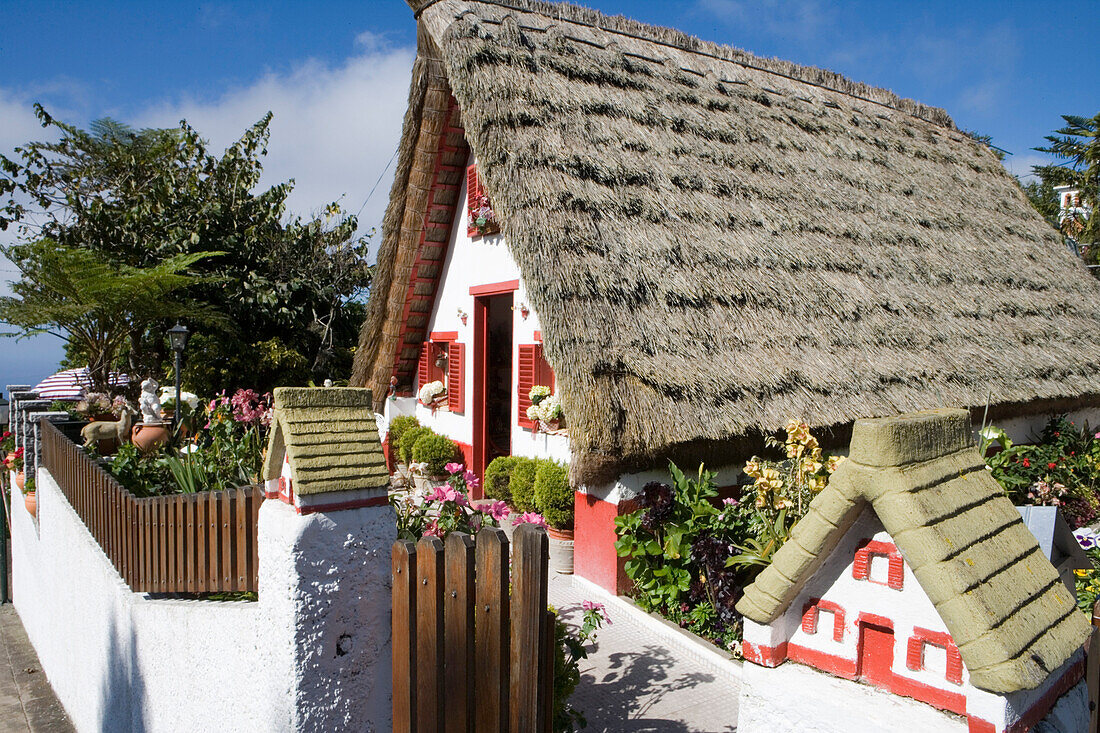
95,306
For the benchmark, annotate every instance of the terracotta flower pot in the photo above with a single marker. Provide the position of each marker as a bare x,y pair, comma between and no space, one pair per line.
149,436
20,480
31,502
561,550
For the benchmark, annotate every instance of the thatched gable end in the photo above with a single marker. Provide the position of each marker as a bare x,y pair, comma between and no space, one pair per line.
715,242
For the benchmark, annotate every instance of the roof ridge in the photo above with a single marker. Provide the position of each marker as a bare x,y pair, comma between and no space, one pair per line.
673,38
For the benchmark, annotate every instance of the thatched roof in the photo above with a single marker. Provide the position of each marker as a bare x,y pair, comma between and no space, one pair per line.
992,585
716,243
330,437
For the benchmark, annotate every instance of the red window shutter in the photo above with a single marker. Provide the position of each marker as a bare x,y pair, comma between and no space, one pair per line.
809,617
473,191
896,577
954,664
861,564
528,368
545,374
914,654
423,372
456,377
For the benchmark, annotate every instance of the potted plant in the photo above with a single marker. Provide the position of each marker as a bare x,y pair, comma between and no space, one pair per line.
545,410
408,440
14,463
30,499
398,427
554,500
434,452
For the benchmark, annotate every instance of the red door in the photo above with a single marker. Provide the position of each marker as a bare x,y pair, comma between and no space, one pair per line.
876,654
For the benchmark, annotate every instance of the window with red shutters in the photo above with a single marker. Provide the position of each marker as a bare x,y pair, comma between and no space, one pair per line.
475,198
914,656
456,377
861,564
533,370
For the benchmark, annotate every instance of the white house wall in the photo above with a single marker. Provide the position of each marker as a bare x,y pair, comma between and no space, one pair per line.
473,261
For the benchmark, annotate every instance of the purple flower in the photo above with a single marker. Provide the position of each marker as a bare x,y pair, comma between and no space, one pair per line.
1086,538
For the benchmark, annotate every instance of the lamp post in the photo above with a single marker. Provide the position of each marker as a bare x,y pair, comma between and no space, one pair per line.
177,337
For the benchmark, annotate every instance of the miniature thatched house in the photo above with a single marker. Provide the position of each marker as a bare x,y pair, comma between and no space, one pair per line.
912,572
703,244
323,451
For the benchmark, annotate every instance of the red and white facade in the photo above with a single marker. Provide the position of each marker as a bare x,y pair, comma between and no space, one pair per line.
863,616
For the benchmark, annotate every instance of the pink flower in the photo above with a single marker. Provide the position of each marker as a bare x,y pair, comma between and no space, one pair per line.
453,468
729,502
499,510
446,493
593,606
432,528
530,518
471,480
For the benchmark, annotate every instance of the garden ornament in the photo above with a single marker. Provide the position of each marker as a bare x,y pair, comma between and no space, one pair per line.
96,431
150,402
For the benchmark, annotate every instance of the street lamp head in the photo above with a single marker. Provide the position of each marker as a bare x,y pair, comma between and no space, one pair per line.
178,335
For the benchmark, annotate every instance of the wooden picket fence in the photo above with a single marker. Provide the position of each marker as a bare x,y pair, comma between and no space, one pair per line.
467,655
185,543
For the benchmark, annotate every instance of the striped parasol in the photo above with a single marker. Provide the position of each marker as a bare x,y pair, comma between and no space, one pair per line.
71,384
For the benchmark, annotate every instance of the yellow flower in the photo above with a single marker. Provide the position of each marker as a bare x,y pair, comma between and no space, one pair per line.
834,463
752,468
1082,573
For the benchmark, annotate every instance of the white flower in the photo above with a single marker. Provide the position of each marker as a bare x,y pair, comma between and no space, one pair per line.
430,391
169,393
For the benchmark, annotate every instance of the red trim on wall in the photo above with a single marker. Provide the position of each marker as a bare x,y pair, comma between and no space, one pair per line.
831,663
443,336
977,725
953,702
341,505
873,618
594,556
507,286
765,656
861,564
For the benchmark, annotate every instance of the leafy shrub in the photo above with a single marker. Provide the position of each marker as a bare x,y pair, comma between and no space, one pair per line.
398,426
408,440
436,451
521,485
497,475
553,495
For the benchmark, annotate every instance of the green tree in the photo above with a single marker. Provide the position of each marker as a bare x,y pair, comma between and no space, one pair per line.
290,289
92,304
1077,145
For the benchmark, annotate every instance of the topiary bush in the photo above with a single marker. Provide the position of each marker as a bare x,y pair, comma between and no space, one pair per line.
408,440
521,485
398,427
436,451
497,475
553,496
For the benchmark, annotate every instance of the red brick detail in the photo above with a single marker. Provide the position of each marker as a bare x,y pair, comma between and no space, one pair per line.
831,663
765,656
811,611
456,377
914,656
507,286
861,565
1043,705
286,489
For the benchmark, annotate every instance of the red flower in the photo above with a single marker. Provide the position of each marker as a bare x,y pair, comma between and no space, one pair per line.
1027,463
1052,465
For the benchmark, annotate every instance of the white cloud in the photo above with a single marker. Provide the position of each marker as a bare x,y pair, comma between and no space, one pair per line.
800,19
334,127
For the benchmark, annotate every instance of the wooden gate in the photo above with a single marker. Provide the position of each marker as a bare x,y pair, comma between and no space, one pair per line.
467,655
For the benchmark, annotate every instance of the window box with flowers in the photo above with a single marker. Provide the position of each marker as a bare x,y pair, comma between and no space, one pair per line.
481,219
546,411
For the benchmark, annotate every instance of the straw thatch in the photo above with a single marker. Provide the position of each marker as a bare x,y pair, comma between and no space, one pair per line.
715,242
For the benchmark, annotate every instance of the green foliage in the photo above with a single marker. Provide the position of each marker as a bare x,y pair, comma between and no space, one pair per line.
1061,468
1078,146
1088,581
677,545
289,291
569,650
436,451
498,474
408,440
398,426
94,305
521,484
552,494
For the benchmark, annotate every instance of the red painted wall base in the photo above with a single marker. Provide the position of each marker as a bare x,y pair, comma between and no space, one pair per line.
594,555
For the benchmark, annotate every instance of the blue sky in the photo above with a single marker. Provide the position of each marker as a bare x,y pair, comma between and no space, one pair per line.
336,76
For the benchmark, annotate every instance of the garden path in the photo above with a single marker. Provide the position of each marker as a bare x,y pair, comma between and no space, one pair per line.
638,679
27,702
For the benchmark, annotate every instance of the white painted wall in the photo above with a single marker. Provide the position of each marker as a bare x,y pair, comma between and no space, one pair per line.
473,261
312,654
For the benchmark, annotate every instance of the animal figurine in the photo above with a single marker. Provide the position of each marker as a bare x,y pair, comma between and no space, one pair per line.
93,432
149,402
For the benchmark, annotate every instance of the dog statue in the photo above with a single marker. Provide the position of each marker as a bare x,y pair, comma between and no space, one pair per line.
94,432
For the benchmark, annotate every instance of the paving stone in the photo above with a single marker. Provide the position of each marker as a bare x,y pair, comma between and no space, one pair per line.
27,702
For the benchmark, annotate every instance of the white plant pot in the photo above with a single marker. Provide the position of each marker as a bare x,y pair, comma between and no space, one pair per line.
561,556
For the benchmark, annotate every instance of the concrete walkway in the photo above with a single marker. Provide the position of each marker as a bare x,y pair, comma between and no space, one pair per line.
641,677
27,703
